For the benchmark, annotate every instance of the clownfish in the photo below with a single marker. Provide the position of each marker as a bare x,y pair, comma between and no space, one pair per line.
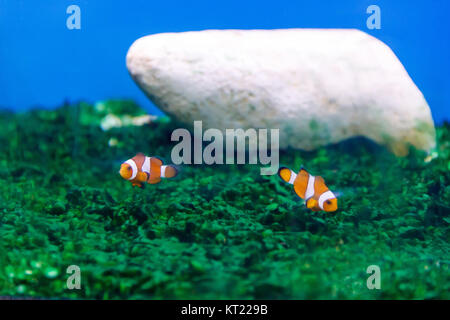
141,169
310,188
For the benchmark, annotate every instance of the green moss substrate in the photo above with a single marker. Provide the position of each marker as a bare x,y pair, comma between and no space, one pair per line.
214,231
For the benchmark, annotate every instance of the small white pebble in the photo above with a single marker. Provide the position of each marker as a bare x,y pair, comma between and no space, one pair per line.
113,142
431,156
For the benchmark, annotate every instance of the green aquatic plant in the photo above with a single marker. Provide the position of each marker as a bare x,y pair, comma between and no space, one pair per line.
221,231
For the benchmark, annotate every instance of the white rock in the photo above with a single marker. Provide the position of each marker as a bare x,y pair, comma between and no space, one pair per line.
318,86
113,121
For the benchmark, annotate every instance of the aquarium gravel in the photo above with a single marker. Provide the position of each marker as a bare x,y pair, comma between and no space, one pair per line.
213,232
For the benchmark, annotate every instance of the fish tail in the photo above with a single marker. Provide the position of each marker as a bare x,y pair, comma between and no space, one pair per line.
287,175
168,171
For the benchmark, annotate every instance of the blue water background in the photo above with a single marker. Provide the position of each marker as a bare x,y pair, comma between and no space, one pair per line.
42,63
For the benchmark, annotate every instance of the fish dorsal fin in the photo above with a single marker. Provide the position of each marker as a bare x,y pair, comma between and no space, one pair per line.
155,162
320,186
139,160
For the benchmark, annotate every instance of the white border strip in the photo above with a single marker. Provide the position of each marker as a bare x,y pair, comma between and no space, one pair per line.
310,188
146,165
133,168
324,197
293,176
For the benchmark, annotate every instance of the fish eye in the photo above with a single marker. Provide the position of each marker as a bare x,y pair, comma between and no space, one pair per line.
328,202
129,168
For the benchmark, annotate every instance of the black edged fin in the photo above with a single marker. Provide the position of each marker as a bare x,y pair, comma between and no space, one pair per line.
303,168
162,161
279,170
155,161
177,171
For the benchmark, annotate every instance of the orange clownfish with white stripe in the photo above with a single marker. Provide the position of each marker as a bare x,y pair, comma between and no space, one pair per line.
310,188
141,169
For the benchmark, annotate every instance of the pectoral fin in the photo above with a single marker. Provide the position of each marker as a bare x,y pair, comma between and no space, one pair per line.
136,184
154,180
311,203
142,176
